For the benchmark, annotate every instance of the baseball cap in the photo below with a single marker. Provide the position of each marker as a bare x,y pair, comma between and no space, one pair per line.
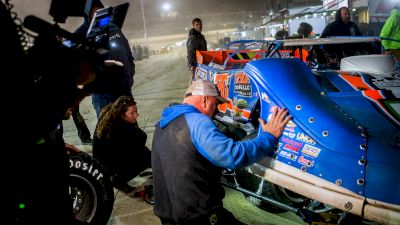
202,87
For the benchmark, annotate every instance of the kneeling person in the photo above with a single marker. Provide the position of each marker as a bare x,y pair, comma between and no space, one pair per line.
119,143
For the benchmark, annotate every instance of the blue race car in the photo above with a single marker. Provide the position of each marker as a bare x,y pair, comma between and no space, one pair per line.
340,152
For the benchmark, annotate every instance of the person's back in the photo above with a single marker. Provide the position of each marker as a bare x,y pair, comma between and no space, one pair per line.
390,33
342,26
196,41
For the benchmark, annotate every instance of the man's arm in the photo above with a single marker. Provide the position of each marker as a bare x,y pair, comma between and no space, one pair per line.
227,153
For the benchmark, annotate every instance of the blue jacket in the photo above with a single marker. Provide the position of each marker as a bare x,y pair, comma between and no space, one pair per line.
212,144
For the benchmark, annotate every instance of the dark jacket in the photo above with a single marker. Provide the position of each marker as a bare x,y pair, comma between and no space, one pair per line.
124,154
339,28
196,41
114,79
188,155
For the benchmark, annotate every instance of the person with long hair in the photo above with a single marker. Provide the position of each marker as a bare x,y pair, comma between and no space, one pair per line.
119,143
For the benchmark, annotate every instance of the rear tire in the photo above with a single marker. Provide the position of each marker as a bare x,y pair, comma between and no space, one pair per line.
91,190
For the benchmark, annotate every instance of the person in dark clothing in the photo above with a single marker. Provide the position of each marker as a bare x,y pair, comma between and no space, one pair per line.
139,52
83,130
189,153
119,143
281,34
196,41
342,26
117,77
47,77
305,30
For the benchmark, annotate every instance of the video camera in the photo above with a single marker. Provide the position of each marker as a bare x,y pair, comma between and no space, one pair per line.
52,41
98,31
63,73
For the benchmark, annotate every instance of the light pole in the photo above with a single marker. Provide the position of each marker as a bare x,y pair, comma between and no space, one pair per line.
144,25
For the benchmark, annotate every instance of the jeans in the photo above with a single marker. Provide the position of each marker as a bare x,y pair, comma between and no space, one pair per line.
101,100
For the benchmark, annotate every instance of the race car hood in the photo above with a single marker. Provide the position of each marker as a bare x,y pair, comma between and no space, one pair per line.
171,113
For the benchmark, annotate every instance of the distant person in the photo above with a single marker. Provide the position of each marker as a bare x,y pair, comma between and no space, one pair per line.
139,52
196,41
189,153
305,30
281,34
342,26
134,51
119,144
145,52
390,33
116,78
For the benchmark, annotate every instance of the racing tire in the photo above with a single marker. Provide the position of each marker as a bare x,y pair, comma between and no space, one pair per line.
91,190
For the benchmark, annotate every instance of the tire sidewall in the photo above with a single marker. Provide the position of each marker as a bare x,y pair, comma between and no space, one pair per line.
89,177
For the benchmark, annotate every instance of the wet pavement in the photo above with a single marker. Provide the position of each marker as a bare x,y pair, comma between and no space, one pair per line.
159,81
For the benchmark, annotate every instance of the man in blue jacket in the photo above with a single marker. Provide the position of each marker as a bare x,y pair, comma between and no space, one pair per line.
189,153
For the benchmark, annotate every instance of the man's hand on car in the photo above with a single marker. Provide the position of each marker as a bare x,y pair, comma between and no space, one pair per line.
277,122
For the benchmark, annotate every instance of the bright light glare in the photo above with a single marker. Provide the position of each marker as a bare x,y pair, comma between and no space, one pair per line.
166,6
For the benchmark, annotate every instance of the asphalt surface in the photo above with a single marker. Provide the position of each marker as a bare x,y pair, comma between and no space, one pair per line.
159,81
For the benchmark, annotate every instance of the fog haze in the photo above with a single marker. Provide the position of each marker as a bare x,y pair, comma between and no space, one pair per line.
161,20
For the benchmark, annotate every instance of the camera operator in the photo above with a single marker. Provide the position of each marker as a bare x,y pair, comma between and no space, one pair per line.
46,81
116,79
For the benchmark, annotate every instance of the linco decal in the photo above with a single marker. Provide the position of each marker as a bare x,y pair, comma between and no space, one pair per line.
305,138
242,84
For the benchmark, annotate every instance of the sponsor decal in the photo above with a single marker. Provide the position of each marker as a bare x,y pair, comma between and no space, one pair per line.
303,161
290,126
115,36
385,83
240,103
305,138
265,97
272,108
289,134
292,142
288,155
283,54
311,150
242,84
85,167
291,148
201,73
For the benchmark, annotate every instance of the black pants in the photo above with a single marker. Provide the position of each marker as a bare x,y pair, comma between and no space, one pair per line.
83,131
219,216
